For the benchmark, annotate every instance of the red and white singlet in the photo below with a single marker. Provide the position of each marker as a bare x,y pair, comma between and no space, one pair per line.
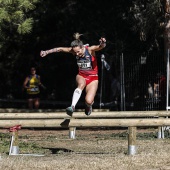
88,66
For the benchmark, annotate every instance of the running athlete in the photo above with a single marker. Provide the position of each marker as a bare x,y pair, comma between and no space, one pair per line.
88,70
31,84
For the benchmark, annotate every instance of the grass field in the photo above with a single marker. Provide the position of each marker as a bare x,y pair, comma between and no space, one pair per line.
93,149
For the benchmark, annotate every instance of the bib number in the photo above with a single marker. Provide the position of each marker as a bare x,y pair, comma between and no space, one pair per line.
84,65
35,89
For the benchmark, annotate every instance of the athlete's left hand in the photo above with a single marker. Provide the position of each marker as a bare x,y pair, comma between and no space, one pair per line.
102,40
43,53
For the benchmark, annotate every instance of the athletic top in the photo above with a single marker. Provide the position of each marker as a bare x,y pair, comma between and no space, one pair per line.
33,85
87,64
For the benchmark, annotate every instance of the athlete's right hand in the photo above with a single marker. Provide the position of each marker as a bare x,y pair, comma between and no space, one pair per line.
43,53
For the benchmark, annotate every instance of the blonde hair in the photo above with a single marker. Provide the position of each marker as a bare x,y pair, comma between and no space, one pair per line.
77,36
77,41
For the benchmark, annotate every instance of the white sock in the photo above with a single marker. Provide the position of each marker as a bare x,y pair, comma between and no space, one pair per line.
76,96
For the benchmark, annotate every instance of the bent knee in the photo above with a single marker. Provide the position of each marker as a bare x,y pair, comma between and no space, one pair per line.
89,101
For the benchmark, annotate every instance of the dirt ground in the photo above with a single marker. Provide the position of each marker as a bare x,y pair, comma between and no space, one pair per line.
94,149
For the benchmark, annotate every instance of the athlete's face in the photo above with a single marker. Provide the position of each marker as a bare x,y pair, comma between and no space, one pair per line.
79,51
33,70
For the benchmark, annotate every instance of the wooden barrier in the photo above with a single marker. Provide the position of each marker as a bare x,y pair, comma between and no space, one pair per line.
130,119
13,110
48,115
40,123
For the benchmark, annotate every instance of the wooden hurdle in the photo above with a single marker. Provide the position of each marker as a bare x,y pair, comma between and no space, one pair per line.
69,122
23,113
130,119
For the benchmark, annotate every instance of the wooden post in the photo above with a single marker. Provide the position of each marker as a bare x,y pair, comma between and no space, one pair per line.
72,132
132,141
159,136
160,130
14,147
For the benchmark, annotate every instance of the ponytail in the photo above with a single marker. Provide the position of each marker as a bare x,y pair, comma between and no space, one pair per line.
77,36
77,42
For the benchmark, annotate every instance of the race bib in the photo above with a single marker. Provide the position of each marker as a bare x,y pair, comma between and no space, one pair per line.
84,64
35,89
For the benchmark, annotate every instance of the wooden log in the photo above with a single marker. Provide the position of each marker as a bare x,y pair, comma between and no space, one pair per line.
15,110
35,123
33,115
118,122
85,122
119,114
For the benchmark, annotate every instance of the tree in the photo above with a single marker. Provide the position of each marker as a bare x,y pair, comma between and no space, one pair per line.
146,18
15,23
14,18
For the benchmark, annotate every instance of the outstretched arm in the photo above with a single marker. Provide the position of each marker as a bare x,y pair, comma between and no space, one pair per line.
54,50
100,46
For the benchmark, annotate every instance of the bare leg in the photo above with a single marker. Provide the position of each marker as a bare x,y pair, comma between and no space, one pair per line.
81,82
30,103
36,103
91,90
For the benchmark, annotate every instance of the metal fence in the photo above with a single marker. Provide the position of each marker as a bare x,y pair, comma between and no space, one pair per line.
145,81
142,81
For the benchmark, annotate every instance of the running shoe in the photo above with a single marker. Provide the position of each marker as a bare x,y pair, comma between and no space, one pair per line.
70,110
88,109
